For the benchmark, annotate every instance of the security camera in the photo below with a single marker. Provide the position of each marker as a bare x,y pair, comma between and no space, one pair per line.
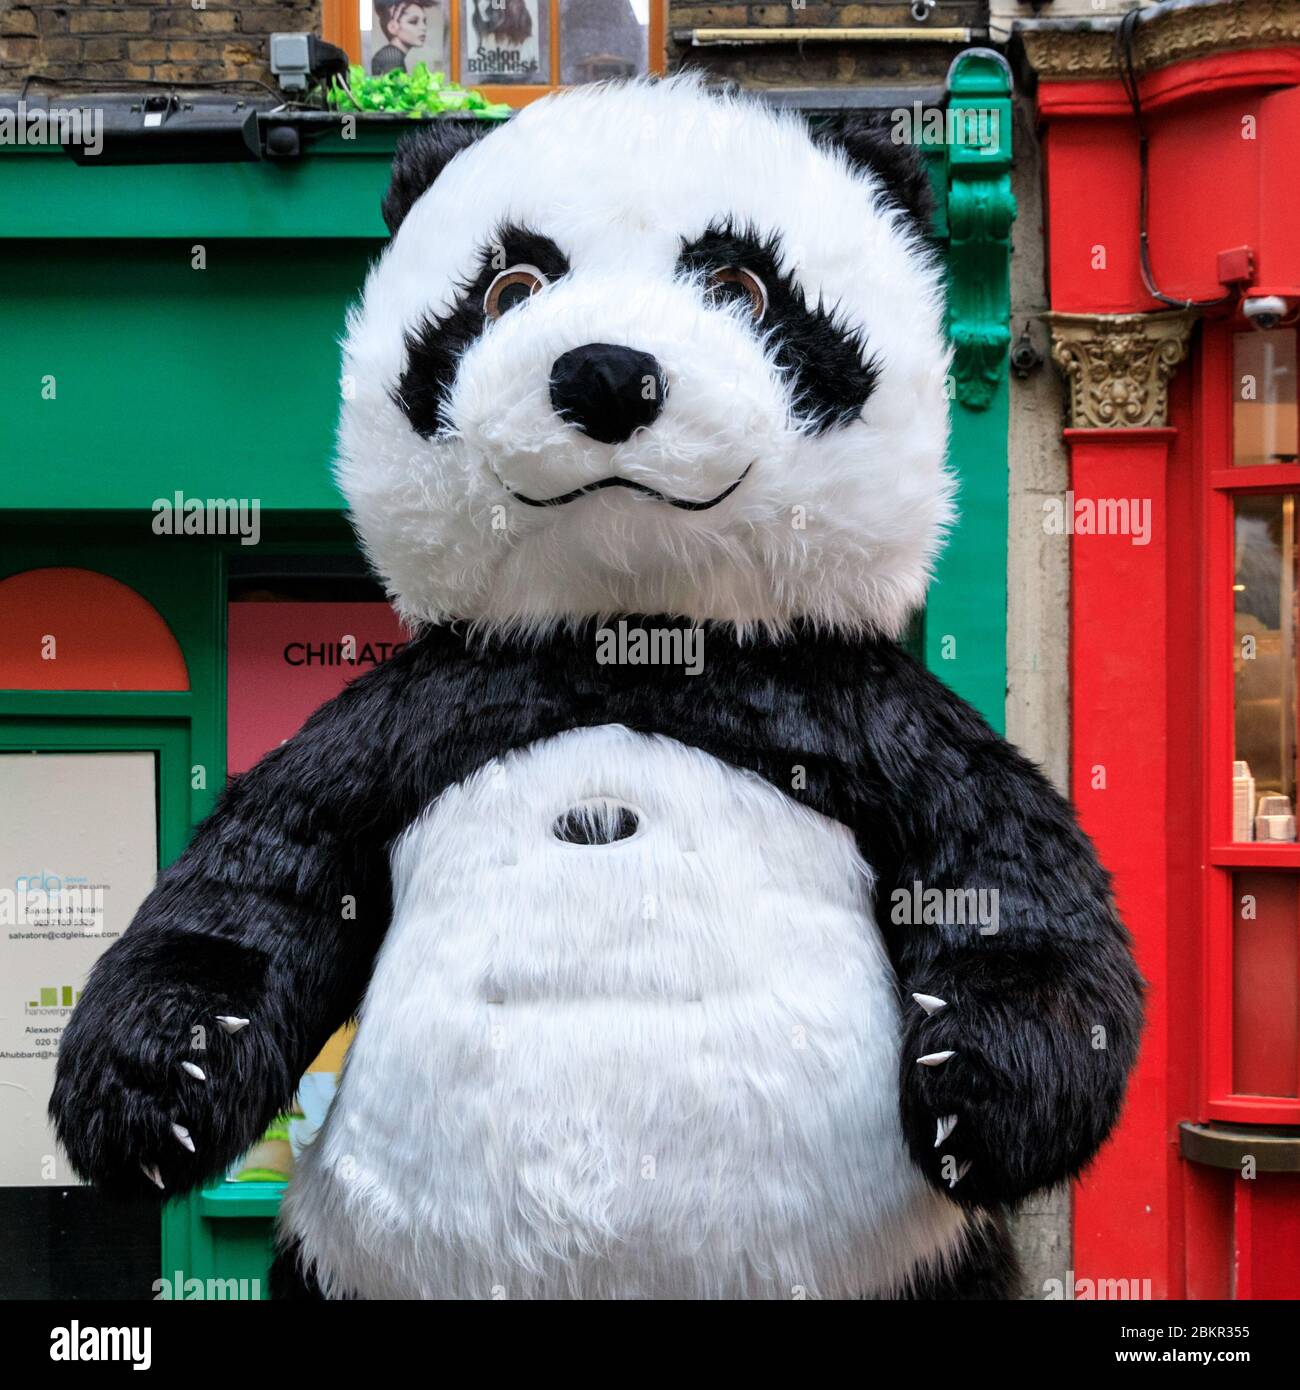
1266,310
921,10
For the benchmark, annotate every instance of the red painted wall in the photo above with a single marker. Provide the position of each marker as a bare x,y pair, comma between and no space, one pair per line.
1224,154
1220,151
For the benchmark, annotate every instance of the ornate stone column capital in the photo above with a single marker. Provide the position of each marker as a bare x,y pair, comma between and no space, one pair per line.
1118,366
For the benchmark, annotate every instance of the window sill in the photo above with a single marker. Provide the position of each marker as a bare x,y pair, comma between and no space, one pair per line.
229,1200
1283,854
1227,1146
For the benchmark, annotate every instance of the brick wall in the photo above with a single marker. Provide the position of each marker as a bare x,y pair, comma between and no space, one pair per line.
182,40
204,40
823,64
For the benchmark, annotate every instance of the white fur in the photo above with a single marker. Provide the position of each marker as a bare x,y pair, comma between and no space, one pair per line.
841,528
665,1067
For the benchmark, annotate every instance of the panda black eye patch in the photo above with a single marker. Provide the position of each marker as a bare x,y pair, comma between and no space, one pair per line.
832,374
435,347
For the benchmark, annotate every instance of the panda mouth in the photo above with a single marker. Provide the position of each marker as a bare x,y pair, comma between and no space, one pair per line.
684,503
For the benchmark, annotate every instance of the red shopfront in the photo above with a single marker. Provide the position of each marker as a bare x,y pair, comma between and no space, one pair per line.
1185,585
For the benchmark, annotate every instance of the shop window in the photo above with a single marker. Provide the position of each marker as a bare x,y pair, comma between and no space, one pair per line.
1264,411
78,852
1252,1034
86,806
298,629
600,39
1264,592
515,50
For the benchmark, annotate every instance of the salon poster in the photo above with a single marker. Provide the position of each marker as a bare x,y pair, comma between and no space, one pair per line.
78,854
401,35
502,42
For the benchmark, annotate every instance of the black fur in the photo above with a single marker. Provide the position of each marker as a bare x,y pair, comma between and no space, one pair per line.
985,1268
434,350
867,139
290,1280
254,918
831,373
420,157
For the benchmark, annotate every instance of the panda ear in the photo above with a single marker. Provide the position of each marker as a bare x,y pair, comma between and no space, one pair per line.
866,138
419,159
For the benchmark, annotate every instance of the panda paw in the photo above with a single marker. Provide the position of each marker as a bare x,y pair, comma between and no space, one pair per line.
999,1102
951,1167
230,1023
139,1107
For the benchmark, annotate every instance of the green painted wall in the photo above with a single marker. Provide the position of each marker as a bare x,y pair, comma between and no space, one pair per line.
331,193
220,382
186,320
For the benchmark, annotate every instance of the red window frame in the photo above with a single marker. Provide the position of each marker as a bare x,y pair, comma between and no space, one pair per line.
1223,857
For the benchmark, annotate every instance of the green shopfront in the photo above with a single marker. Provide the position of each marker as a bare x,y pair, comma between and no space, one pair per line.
172,334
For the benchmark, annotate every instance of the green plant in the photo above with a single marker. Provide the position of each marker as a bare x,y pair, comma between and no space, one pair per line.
415,93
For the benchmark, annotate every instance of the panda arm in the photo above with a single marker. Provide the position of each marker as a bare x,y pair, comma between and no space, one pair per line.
1028,1029
272,915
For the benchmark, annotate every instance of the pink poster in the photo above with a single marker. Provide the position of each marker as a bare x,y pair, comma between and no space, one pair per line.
286,659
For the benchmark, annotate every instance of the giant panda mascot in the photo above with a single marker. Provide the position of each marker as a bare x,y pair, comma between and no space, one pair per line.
618,864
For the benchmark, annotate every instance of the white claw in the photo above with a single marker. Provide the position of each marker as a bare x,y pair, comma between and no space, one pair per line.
183,1136
961,1173
946,1125
935,1059
931,1003
191,1070
153,1175
230,1023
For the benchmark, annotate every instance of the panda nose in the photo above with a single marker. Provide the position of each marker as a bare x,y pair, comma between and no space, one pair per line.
607,391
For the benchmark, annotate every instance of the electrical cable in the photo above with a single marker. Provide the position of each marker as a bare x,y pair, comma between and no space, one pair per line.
1128,76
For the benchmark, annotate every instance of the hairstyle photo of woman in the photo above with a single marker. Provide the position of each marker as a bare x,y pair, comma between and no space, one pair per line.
405,27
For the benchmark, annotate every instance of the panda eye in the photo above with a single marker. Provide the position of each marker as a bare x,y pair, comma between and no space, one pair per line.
731,283
512,287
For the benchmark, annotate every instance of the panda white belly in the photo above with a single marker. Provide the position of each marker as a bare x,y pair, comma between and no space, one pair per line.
664,1066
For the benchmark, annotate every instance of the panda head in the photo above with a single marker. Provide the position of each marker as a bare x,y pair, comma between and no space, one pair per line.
650,349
